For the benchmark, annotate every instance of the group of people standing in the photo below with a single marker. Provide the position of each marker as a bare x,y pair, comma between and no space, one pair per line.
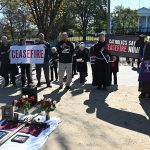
65,57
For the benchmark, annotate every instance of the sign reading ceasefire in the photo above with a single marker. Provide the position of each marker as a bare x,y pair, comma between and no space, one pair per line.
27,54
123,46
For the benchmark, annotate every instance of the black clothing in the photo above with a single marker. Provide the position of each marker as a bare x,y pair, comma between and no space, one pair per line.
25,72
114,68
102,72
47,51
65,52
82,66
6,67
54,65
74,64
45,65
92,61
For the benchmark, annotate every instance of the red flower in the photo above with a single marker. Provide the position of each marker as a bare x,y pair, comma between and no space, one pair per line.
31,99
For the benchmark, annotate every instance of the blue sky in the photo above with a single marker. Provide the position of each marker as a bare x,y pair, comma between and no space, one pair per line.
133,4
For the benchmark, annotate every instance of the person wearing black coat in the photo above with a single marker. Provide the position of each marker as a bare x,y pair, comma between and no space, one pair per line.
25,68
114,68
82,58
54,63
45,65
102,73
6,67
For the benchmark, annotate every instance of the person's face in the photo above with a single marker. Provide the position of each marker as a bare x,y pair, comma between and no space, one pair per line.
64,37
101,37
77,45
41,37
82,47
53,50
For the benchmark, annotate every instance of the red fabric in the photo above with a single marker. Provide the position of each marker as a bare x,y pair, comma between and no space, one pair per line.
113,64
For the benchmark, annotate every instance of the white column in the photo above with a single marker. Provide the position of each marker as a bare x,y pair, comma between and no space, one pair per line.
146,22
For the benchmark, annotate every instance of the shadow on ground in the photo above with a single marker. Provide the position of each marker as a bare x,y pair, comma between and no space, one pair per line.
8,94
132,121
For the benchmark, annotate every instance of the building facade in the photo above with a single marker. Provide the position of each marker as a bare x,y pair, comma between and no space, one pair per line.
144,20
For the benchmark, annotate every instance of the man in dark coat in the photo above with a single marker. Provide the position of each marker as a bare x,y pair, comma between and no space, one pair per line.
6,67
45,65
101,63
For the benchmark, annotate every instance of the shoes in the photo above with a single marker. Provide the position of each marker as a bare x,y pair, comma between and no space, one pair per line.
48,85
14,85
67,87
99,87
39,84
142,95
60,87
6,84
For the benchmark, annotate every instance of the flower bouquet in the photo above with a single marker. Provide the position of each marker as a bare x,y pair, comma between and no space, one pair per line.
24,103
47,105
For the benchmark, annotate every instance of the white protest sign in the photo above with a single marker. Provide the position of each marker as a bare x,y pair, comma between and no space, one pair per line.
27,54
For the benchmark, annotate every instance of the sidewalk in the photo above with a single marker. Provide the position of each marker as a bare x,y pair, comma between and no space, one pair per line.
93,119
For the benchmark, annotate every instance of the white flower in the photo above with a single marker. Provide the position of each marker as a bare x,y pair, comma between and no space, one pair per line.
23,96
15,101
26,96
54,102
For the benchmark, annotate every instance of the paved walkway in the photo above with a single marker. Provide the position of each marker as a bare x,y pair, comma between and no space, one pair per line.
93,119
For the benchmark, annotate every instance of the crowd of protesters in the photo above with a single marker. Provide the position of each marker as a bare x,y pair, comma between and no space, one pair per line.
65,57
70,58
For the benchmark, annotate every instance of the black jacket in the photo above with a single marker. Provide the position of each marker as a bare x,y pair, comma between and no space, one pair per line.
82,66
47,51
114,66
54,59
4,57
65,53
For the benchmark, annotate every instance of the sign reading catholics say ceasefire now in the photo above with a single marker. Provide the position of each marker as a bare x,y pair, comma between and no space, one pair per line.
123,46
27,54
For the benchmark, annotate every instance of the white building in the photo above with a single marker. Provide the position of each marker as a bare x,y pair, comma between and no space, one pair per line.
144,19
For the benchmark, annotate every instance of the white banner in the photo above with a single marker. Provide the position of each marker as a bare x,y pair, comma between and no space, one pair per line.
27,54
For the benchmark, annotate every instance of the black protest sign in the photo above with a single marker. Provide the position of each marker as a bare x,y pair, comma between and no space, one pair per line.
123,45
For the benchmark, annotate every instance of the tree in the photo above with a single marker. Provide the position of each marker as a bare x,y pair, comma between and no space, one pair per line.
16,19
85,11
125,21
44,13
